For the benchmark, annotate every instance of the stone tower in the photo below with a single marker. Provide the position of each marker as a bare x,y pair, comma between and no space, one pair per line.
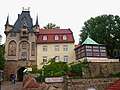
20,46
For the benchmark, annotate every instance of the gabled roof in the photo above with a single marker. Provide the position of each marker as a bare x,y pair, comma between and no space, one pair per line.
51,36
55,31
89,41
23,19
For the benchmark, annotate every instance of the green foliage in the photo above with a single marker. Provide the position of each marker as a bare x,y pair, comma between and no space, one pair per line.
104,29
2,59
51,26
77,68
115,75
53,68
35,70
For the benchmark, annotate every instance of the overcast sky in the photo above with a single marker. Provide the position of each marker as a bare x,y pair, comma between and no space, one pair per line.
64,13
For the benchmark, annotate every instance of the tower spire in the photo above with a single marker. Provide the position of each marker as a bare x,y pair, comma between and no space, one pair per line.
7,22
37,24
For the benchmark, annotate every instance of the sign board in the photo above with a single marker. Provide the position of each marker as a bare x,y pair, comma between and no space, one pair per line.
54,79
29,69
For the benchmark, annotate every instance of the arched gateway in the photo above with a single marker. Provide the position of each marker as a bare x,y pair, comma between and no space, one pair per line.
20,73
20,45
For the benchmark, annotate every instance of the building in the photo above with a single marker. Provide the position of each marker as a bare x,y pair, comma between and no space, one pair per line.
20,46
58,43
92,51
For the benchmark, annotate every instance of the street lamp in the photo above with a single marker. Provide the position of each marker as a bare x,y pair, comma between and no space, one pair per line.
1,71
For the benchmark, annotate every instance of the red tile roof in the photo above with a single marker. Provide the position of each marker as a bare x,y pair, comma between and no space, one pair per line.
114,86
51,36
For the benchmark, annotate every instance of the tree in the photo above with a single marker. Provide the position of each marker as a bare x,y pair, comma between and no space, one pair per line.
53,68
0,39
2,59
76,69
104,29
51,26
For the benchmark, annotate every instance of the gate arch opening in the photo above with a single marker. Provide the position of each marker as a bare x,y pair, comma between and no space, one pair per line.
20,73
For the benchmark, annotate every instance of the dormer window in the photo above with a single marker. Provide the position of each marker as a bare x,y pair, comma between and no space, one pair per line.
56,37
64,37
45,37
24,33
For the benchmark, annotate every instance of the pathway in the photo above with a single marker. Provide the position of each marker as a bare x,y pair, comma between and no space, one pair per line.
6,85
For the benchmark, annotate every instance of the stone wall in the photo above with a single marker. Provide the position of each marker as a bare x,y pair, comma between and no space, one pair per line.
102,69
84,84
69,84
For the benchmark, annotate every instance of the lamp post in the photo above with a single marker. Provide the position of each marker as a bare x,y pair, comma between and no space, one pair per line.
1,71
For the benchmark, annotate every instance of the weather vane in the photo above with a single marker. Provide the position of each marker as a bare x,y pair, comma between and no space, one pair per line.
26,9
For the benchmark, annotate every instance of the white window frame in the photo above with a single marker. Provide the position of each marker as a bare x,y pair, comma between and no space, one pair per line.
57,58
56,37
56,47
65,58
64,37
44,58
44,48
44,37
65,47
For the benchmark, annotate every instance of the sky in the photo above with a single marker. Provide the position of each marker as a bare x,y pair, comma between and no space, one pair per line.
64,13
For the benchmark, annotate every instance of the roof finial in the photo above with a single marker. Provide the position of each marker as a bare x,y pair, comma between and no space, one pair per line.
88,35
26,9
7,22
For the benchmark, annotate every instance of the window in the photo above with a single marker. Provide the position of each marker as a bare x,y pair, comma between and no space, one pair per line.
96,54
24,55
65,58
56,37
95,46
56,47
102,54
88,53
33,45
88,46
83,50
44,58
45,37
95,50
83,54
33,49
88,49
65,47
44,48
57,58
24,45
102,51
12,48
64,37
102,47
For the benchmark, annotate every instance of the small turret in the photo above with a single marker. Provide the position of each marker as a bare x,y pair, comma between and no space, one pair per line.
8,27
7,22
37,24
